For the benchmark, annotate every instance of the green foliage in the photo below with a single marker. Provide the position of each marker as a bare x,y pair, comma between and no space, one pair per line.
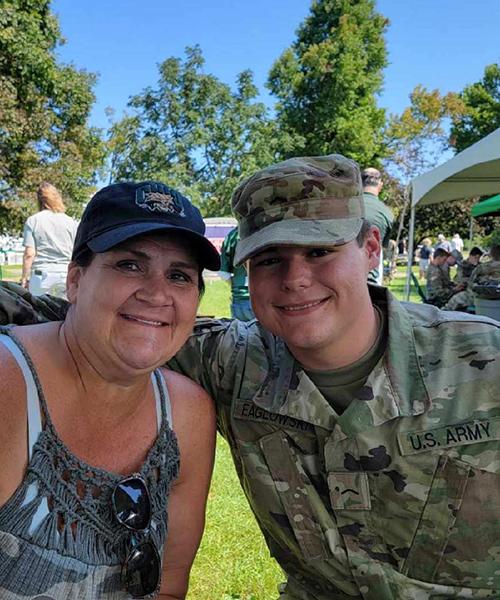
193,132
447,218
482,114
416,139
327,80
493,239
44,108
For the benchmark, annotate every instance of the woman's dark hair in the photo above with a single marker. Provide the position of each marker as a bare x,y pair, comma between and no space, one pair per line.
85,258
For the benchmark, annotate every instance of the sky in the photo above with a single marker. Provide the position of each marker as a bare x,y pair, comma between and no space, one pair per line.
443,44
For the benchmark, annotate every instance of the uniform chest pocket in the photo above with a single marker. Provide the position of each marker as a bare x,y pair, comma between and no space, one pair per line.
458,538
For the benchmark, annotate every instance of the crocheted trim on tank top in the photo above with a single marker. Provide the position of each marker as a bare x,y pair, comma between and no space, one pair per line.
64,504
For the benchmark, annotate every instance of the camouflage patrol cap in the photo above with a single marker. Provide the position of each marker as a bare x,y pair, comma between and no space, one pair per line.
306,201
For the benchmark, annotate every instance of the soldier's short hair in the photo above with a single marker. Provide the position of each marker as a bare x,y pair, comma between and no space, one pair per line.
441,252
365,227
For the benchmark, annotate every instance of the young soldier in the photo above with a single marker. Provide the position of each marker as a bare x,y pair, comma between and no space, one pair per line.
465,269
483,274
440,288
364,431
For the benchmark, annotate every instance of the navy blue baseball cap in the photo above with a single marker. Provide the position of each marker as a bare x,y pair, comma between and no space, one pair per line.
122,211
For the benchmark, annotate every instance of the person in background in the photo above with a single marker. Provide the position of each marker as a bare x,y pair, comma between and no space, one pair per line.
241,307
103,450
440,288
443,243
48,241
467,266
425,255
378,214
455,259
457,243
484,274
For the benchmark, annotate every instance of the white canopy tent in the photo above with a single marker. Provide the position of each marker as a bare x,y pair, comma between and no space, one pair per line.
473,172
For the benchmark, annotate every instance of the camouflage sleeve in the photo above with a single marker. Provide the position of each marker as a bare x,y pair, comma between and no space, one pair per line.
209,356
488,272
433,280
19,307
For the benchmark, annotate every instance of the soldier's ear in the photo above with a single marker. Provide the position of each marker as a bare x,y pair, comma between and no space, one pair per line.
373,247
73,281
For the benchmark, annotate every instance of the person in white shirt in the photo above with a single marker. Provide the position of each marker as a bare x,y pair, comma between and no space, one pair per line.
48,242
457,243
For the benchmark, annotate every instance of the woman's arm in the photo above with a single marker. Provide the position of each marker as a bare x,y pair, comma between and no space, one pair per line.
13,426
28,257
193,416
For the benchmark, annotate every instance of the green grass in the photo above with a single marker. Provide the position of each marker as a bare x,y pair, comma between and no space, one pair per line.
10,272
233,562
397,285
216,299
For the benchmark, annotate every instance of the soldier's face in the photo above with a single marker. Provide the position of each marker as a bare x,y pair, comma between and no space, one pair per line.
316,299
134,306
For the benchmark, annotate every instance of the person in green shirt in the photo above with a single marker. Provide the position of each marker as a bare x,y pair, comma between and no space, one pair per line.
378,214
241,307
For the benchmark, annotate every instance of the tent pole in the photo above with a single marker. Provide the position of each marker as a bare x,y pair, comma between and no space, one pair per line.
411,233
471,231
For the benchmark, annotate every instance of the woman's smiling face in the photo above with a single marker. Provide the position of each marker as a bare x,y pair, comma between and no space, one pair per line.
135,305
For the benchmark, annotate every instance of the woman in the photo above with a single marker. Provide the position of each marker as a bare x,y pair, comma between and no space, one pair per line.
48,241
425,255
84,505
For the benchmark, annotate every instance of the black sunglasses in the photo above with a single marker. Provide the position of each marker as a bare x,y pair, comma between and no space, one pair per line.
141,572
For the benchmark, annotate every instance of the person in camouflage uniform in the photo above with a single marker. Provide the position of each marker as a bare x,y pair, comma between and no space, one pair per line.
440,288
487,273
364,430
466,267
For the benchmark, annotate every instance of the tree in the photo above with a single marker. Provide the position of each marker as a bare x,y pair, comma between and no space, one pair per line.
326,82
194,133
482,110
415,141
44,108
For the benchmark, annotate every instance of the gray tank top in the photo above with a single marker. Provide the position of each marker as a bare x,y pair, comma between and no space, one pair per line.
58,537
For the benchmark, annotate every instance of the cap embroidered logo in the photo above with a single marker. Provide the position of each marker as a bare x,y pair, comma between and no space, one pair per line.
158,198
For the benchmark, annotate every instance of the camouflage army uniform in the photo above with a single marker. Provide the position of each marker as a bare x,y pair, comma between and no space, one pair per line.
439,285
382,501
484,273
464,271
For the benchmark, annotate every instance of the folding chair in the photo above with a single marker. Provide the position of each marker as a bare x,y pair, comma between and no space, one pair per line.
420,290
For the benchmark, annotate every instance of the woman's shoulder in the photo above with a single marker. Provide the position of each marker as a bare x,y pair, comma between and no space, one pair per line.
191,406
181,388
12,407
